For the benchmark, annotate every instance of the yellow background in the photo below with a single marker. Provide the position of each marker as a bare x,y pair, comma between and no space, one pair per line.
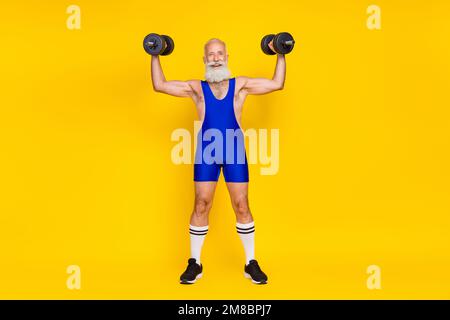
87,179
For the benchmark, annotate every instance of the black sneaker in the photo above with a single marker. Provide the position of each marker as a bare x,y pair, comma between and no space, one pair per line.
254,272
192,273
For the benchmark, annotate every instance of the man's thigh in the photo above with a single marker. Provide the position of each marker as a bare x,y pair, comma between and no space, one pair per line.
205,190
238,191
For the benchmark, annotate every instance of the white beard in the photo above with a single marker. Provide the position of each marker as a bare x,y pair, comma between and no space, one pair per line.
217,74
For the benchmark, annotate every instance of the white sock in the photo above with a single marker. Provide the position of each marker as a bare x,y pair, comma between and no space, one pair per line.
197,237
246,232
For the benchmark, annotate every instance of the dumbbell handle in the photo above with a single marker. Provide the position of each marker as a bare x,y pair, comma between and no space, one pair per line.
289,42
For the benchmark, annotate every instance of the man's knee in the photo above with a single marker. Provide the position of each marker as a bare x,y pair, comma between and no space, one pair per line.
202,206
241,207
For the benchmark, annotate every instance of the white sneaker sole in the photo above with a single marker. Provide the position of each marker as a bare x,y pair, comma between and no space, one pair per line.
193,281
255,282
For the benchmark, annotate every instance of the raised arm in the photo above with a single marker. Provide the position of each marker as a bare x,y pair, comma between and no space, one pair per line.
174,87
263,85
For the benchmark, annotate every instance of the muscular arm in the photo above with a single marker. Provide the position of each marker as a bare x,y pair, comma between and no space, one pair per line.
263,85
174,87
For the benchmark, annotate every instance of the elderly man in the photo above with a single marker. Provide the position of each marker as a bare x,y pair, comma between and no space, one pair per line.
219,100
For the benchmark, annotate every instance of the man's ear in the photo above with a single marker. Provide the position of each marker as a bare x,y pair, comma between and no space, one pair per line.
204,60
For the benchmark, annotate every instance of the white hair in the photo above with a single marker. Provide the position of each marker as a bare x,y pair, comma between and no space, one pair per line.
214,40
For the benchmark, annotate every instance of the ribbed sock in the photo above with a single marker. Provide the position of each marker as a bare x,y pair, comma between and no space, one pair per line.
198,235
246,232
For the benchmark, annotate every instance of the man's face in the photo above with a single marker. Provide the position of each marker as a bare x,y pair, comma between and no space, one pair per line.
215,52
216,60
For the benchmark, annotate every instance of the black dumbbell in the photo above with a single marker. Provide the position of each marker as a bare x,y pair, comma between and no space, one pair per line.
156,44
283,43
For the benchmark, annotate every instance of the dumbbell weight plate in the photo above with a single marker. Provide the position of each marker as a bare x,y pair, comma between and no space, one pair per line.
158,44
170,45
265,44
279,43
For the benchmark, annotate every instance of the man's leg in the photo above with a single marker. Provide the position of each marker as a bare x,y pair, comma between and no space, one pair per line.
198,228
244,220
245,227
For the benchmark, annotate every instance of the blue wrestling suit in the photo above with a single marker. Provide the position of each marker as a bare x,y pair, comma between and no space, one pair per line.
220,141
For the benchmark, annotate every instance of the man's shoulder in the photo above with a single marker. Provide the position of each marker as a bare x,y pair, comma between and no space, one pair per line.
241,78
194,84
240,81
